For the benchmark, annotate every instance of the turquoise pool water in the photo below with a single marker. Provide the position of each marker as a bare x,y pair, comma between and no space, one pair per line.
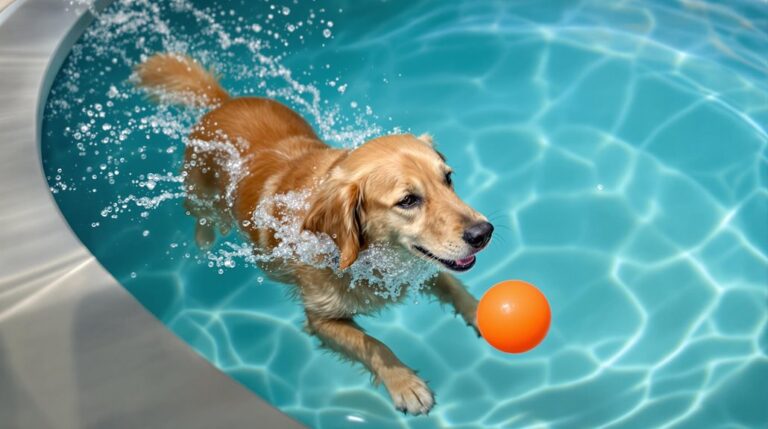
619,147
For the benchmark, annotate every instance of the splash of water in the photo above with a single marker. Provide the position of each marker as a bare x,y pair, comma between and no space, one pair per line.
383,267
386,269
249,54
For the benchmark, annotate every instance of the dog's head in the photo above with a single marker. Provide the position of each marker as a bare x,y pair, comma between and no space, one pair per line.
397,189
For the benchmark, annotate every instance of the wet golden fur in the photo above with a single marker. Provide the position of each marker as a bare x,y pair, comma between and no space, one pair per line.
354,198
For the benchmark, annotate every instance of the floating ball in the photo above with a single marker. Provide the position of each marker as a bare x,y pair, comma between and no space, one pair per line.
513,316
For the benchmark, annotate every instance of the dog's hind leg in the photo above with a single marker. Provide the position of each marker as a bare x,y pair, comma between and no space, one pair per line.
205,234
205,197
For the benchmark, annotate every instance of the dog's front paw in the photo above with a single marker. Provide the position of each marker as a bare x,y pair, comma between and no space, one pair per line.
409,392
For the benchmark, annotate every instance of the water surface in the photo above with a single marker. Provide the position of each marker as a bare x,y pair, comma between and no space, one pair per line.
620,148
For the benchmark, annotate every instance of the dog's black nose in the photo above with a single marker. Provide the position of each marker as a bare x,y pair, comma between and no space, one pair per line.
478,234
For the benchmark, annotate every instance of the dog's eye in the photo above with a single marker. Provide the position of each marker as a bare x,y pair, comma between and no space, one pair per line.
409,201
448,179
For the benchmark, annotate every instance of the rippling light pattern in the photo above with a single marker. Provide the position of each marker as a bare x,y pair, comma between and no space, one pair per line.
619,147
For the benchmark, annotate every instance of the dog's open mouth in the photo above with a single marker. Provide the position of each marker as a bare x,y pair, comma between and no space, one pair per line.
455,265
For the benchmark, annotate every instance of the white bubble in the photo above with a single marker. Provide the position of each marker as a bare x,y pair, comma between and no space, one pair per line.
113,92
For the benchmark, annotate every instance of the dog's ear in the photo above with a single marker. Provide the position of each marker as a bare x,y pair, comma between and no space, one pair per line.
335,209
426,138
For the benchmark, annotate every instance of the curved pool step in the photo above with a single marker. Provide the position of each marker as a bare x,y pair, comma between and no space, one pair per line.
76,350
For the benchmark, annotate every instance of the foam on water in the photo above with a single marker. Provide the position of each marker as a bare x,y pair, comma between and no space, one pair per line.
620,150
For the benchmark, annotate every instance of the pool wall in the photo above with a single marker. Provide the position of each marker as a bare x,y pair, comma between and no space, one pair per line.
76,350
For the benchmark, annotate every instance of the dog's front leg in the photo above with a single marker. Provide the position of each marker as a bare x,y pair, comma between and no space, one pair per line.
449,290
409,392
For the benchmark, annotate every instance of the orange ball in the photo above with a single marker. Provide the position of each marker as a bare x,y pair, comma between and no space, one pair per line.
513,316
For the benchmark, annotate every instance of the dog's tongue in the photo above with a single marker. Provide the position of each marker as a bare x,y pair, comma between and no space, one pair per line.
465,261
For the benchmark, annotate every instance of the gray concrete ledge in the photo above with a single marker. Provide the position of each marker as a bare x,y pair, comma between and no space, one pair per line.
76,350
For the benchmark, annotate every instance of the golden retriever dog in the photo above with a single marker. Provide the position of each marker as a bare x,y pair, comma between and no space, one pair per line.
393,190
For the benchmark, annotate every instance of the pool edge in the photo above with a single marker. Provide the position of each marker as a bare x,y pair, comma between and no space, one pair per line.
76,350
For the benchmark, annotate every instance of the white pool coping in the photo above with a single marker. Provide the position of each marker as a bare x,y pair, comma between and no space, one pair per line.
76,350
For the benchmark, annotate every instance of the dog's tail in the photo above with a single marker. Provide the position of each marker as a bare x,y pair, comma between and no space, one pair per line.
179,79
